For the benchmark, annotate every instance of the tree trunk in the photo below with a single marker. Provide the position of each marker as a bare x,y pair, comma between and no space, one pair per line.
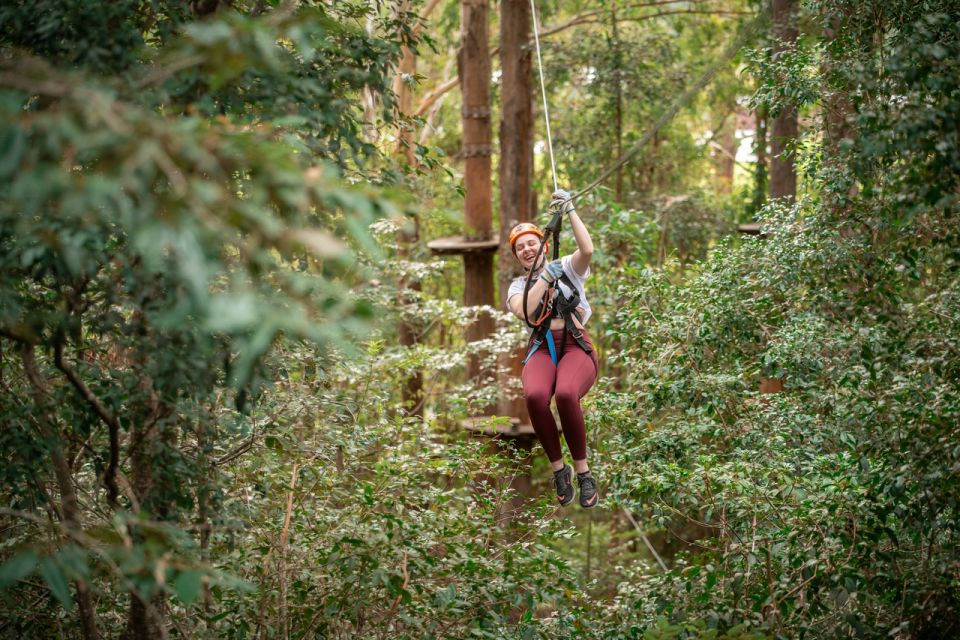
369,99
402,88
516,158
783,176
148,437
406,69
474,70
838,109
760,147
837,106
473,63
412,387
61,470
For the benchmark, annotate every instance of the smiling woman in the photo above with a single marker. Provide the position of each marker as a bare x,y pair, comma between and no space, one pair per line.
557,300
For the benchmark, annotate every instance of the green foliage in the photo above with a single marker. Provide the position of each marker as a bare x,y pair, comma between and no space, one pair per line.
828,510
390,533
166,217
610,85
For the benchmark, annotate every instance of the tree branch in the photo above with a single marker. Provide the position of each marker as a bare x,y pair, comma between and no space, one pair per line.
110,475
16,337
590,17
638,5
436,94
428,8
237,451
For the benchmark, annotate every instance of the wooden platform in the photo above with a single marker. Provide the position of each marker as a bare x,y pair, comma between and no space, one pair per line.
749,228
484,425
458,245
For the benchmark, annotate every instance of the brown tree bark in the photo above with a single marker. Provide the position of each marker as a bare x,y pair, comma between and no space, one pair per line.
837,106
412,387
838,110
473,62
783,175
516,157
406,69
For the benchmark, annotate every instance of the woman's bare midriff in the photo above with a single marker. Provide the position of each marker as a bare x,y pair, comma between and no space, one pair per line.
557,323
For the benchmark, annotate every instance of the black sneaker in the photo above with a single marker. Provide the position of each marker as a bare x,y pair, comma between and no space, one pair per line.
589,498
563,481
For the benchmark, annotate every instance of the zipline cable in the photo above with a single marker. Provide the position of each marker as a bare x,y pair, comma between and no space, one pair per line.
732,49
543,91
668,115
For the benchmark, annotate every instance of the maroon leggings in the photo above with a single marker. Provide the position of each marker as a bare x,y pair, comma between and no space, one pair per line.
569,381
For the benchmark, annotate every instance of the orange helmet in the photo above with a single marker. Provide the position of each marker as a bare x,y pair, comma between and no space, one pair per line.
519,230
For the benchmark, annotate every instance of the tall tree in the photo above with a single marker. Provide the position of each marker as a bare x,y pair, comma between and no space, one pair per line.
473,62
516,150
783,131
405,149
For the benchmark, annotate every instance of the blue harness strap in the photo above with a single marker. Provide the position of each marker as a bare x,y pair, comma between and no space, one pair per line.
533,350
550,345
561,306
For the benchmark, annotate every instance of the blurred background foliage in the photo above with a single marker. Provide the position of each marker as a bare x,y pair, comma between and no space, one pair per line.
201,385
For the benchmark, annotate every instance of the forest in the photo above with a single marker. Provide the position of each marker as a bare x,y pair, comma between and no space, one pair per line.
258,376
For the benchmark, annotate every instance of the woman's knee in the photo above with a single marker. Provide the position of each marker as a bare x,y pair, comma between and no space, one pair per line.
567,397
538,398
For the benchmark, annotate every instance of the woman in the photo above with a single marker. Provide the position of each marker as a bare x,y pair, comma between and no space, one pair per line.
561,360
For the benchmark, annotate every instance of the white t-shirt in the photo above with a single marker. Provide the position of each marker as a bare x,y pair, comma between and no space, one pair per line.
516,287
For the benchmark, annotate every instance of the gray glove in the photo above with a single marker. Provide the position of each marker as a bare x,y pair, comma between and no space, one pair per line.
561,199
552,272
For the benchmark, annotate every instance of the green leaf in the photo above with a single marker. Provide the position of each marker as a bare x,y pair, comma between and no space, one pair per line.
17,568
188,584
53,575
12,144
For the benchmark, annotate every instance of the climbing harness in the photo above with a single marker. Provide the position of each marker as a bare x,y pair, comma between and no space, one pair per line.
557,305
554,303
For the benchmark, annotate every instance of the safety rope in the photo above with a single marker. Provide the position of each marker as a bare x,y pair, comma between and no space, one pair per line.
543,92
